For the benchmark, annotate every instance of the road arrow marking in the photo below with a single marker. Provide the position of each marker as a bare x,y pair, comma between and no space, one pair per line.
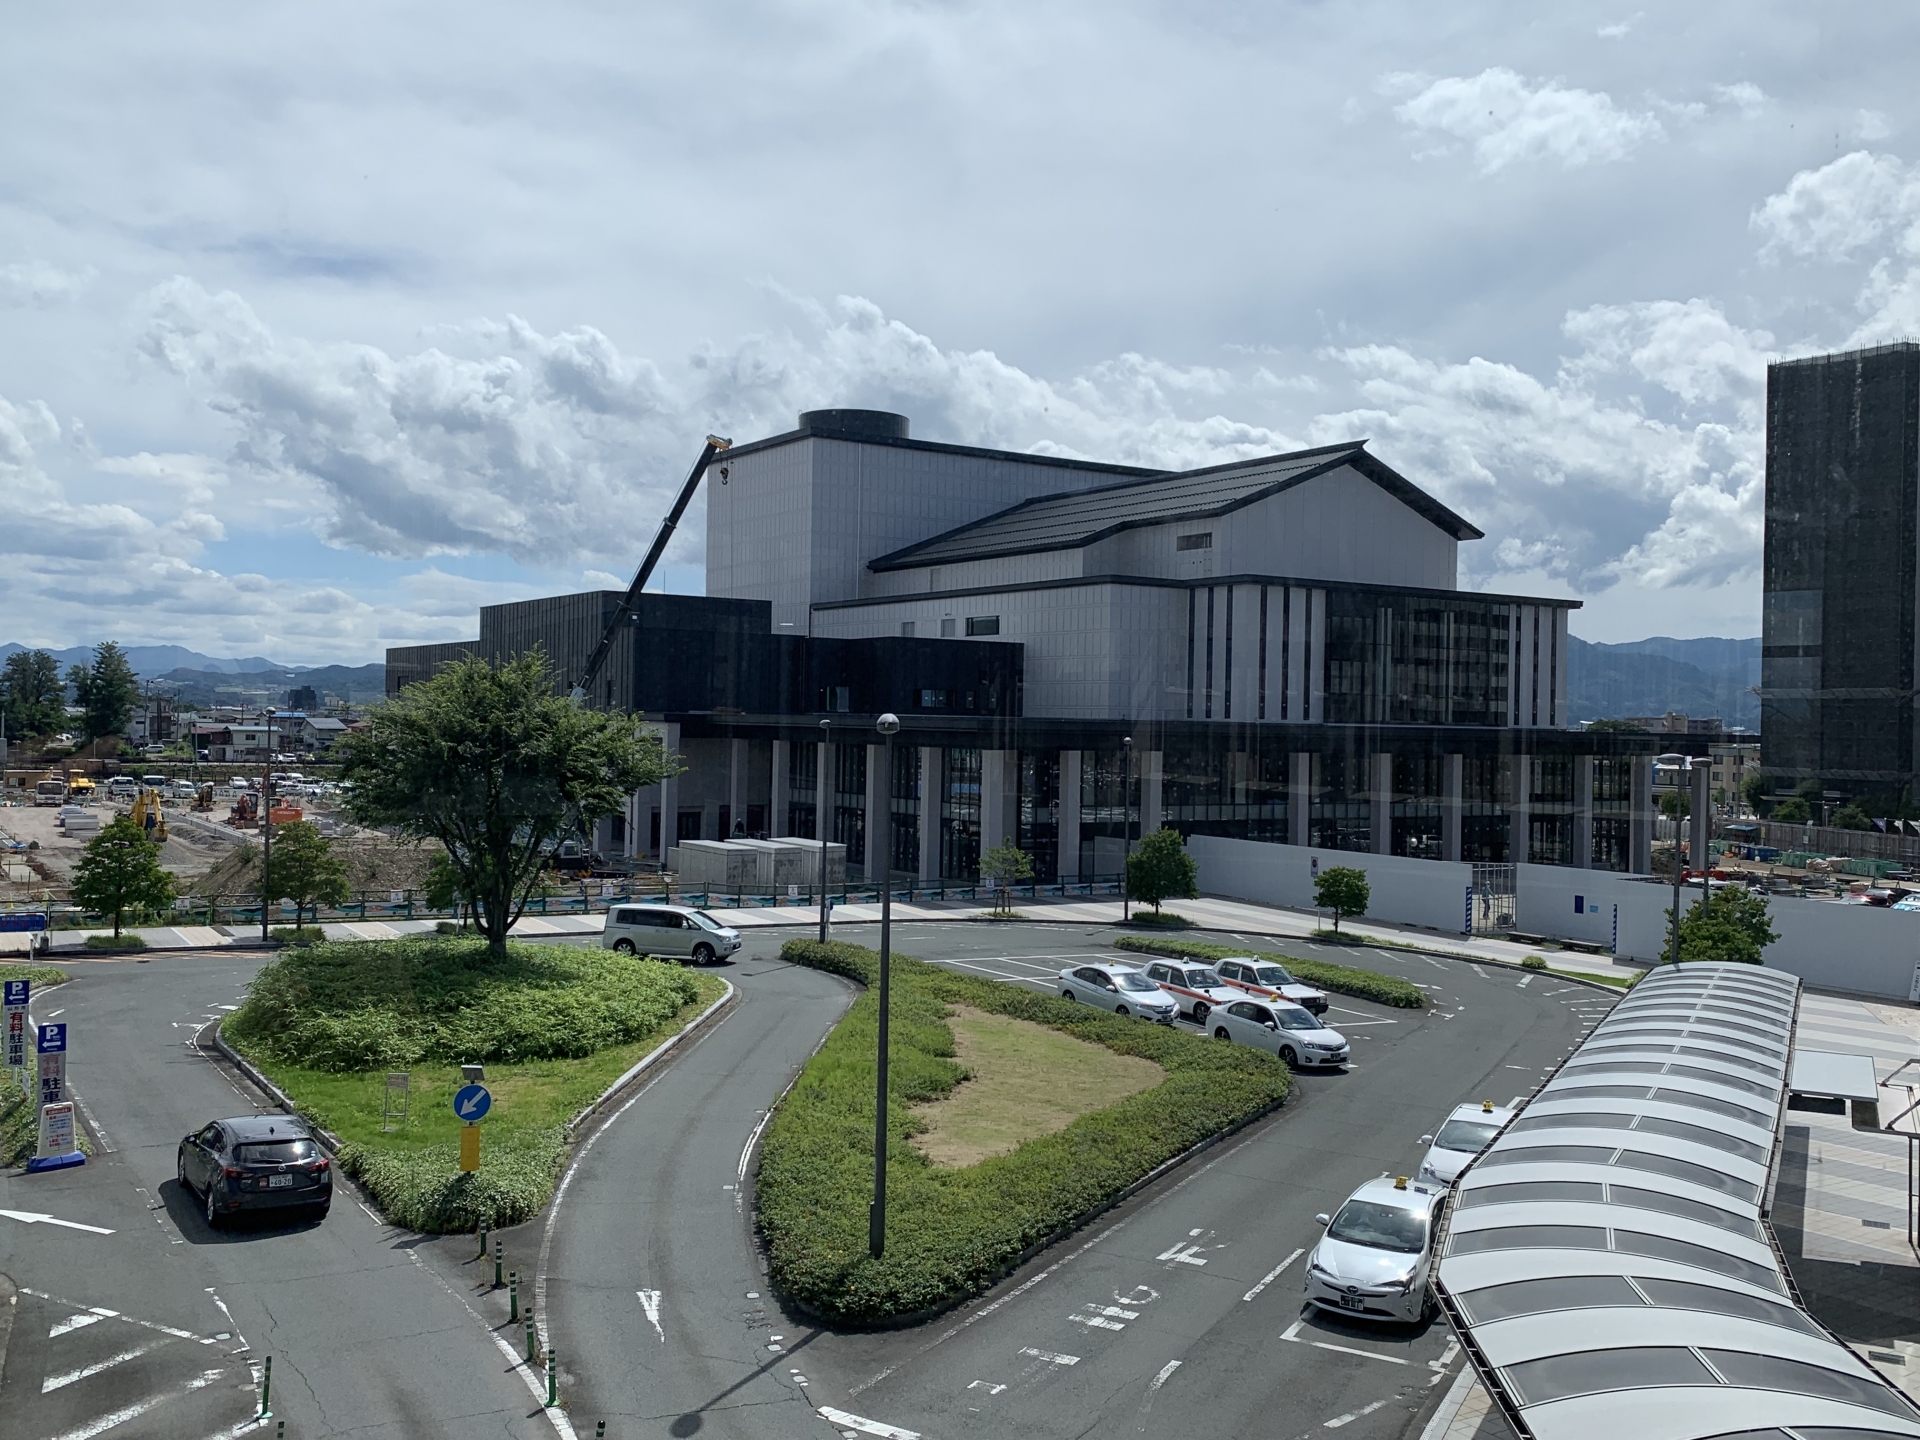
1050,1357
650,1302
28,1217
1183,1255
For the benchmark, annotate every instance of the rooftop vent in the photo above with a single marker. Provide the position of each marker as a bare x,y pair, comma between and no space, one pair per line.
855,424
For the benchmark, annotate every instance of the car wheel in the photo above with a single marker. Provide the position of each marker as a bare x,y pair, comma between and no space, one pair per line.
213,1214
1290,1056
1121,1010
1220,1033
625,947
320,1211
1066,994
703,954
180,1173
1200,1012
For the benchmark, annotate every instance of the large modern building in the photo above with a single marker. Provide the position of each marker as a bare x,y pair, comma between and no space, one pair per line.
1274,649
1838,657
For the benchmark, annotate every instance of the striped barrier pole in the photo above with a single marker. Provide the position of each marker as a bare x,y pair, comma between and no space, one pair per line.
553,1378
513,1298
266,1389
499,1259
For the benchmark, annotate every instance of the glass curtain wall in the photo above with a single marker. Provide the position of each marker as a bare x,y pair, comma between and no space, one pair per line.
803,789
1108,807
1207,787
960,815
1415,660
1040,812
850,801
1485,829
904,809
1418,784
1550,809
1342,813
1612,813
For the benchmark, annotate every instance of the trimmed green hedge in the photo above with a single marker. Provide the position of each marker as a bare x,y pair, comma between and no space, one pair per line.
424,1189
1367,984
41,976
951,1233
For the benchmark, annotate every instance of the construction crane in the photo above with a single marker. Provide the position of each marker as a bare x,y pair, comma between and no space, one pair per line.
583,683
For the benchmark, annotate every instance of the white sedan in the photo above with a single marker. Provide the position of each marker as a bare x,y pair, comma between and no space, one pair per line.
1119,988
1468,1131
1283,1030
1376,1258
1195,989
1260,976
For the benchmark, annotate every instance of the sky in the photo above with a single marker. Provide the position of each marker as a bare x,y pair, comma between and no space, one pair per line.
321,328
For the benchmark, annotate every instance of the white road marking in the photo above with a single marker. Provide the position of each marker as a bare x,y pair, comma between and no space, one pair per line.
1364,1354
30,1217
226,1007
650,1302
120,1417
1513,1102
1050,1357
847,1421
986,1385
116,1315
1182,1255
1026,1285
1166,1371
1519,1067
1274,1274
1292,1332
77,1322
1352,1415
60,1382
1446,1355
1094,1317
1356,1024
1139,1295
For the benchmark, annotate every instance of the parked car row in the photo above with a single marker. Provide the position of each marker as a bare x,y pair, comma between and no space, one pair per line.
1251,1011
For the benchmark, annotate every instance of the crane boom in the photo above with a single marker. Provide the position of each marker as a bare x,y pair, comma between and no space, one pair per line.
583,685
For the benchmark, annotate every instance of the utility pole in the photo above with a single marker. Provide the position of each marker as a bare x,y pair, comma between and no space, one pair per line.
266,827
889,726
1126,822
820,825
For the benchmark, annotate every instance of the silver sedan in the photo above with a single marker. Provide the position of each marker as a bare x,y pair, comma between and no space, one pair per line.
1119,988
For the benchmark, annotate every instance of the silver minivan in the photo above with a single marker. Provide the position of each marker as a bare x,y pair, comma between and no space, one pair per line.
672,932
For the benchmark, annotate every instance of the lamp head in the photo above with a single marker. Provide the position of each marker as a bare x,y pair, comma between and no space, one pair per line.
825,724
1671,762
888,724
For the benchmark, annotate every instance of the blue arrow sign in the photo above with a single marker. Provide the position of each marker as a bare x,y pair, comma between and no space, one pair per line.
472,1102
16,991
52,1039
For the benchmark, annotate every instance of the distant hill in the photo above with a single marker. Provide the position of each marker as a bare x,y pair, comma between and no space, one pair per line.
356,684
1710,676
152,661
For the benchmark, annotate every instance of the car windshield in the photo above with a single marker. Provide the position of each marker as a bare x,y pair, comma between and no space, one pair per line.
1273,975
1202,978
1471,1136
1294,1018
276,1152
1134,980
1380,1227
704,920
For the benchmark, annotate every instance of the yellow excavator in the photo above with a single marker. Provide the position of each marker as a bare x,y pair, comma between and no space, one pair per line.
149,815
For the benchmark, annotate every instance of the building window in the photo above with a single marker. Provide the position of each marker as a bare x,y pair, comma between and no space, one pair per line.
983,625
960,815
1040,812
946,628
906,629
933,699
903,805
1202,541
850,801
803,795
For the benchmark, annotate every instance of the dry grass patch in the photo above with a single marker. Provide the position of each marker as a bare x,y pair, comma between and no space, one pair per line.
1023,1081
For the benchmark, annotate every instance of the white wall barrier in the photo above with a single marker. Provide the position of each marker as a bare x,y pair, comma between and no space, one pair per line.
1409,892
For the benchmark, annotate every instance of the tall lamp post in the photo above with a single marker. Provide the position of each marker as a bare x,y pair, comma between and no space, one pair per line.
888,725
820,827
1126,822
1683,764
266,828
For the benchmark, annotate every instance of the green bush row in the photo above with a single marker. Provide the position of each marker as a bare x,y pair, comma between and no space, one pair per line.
41,976
424,1189
389,1004
952,1232
1345,979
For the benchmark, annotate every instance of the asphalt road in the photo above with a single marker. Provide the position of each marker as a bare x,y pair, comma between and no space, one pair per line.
164,1322
1183,1302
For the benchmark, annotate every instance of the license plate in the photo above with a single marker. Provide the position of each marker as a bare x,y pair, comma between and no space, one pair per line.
280,1182
1353,1302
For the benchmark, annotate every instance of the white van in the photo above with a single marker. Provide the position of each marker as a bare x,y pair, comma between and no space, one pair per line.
672,932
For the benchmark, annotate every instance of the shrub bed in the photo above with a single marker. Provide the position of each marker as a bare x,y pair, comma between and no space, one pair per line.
42,976
952,1232
1345,979
554,1025
127,941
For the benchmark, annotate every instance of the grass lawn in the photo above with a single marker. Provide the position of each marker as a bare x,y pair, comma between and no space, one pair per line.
41,976
1023,1080
1619,982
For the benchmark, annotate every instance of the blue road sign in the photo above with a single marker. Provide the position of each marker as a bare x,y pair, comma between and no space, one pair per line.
16,991
14,921
472,1102
53,1039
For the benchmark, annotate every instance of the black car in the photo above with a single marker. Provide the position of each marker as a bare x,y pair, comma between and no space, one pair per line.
256,1162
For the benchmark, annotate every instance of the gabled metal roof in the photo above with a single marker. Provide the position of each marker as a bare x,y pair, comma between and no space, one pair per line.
1607,1261
1077,518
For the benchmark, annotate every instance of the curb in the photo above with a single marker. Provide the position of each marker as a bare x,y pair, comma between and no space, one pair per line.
328,1140
8,1300
647,1062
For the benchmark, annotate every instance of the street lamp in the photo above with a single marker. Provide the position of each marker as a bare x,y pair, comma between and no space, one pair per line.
888,725
1126,821
820,823
1684,764
266,828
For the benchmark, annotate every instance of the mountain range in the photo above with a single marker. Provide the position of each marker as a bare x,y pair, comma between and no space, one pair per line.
152,661
1710,676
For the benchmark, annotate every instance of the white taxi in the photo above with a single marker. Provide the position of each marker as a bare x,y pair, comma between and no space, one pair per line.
1467,1131
1195,989
1376,1260
1280,1029
1262,975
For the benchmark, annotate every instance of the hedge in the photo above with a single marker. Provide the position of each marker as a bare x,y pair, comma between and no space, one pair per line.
951,1233
1367,984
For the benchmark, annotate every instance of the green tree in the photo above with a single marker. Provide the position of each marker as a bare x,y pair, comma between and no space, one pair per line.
1792,812
489,761
1755,789
1616,727
1809,790
36,700
1004,866
1343,890
120,871
106,691
1731,925
1676,804
1160,869
1852,817
303,869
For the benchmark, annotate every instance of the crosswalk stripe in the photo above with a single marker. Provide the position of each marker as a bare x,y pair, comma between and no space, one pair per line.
60,1382
130,1412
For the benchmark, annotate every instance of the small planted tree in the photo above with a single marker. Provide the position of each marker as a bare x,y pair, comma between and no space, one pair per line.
1005,866
119,871
1160,869
1731,924
303,869
1343,890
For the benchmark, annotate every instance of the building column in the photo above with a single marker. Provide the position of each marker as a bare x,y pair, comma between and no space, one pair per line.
999,769
1381,823
879,817
777,787
737,766
670,794
1152,773
933,789
1701,820
1583,812
1069,815
823,795
1519,828
1640,818
1453,784
1300,797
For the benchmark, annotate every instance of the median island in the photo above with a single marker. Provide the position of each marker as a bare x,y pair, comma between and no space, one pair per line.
554,1026
1013,1117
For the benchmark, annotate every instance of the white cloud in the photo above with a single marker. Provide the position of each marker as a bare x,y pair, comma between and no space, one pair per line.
1620,29
1871,125
1508,120
1841,208
1745,96
35,283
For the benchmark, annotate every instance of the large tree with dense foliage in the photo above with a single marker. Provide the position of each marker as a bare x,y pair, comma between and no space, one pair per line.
35,697
1160,869
106,691
489,761
119,871
1344,890
304,869
1731,925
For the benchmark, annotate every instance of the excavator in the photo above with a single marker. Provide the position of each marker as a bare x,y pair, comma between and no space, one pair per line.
149,815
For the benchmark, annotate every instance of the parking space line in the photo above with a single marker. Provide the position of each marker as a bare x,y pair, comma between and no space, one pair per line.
1274,1274
1352,1415
1363,1354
